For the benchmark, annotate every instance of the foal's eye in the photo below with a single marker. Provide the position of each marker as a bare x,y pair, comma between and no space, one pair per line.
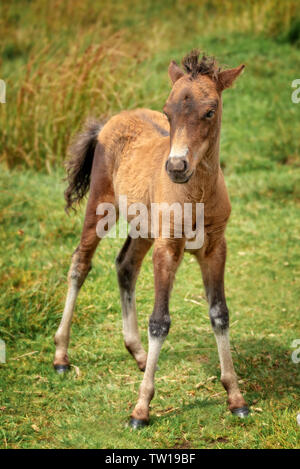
168,117
209,114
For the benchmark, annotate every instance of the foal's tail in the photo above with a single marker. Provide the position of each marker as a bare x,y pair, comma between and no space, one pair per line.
80,165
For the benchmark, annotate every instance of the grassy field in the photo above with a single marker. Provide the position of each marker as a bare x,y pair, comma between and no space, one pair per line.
98,60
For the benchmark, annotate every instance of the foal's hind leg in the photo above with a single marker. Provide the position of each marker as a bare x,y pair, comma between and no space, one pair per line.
128,265
212,266
80,267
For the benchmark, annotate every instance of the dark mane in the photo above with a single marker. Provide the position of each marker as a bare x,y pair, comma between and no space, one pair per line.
195,66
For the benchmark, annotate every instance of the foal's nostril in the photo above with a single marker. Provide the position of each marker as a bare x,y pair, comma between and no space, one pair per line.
177,168
178,165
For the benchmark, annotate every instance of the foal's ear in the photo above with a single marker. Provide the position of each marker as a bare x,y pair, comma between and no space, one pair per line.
227,77
174,71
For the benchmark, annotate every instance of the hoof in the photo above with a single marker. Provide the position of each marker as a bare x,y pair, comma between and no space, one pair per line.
61,369
241,412
137,423
141,366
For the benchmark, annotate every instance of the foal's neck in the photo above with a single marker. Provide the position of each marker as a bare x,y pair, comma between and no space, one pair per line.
207,171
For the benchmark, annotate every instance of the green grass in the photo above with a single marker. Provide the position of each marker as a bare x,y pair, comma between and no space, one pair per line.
40,409
60,67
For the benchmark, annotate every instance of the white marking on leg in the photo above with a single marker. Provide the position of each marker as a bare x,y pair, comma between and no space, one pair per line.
146,391
130,326
228,375
63,332
223,344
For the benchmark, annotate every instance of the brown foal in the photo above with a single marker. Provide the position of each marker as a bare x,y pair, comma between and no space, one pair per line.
152,158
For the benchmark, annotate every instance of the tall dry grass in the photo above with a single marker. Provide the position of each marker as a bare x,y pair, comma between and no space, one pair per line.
65,60
54,97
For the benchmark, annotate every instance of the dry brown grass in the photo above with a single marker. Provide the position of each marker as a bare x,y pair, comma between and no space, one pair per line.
65,60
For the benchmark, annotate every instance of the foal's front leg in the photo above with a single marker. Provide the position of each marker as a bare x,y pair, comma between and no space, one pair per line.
166,259
212,266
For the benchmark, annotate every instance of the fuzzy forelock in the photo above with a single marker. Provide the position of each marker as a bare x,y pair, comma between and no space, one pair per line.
194,65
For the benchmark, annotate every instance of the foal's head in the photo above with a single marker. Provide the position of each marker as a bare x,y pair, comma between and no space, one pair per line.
194,111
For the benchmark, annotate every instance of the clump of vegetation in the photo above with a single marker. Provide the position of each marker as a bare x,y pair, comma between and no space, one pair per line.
63,61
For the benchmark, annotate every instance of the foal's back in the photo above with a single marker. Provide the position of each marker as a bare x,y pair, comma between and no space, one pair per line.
138,144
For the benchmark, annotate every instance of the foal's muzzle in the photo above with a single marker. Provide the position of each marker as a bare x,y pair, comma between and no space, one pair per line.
178,169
